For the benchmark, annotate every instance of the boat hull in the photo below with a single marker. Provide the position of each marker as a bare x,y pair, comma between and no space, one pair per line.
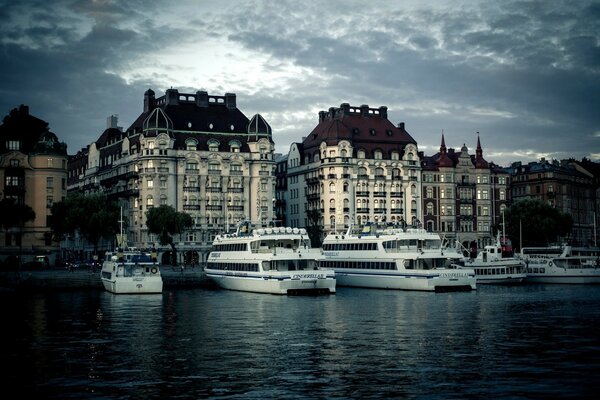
314,282
431,281
501,279
133,286
571,278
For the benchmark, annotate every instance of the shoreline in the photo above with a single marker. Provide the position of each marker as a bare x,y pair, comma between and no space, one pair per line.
62,279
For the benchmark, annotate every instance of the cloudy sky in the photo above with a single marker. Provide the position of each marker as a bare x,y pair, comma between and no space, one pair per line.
524,74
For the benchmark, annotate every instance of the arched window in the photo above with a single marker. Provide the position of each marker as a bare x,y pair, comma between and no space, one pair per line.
429,208
332,187
360,154
345,187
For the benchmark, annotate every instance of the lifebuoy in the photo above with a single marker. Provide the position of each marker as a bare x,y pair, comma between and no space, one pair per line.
550,263
154,270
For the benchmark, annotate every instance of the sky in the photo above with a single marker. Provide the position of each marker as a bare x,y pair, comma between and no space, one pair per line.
523,76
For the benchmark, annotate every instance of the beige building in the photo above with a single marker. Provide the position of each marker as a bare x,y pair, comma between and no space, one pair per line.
33,172
193,151
354,167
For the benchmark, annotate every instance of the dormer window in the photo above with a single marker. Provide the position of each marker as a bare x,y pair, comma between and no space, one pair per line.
13,145
234,146
213,145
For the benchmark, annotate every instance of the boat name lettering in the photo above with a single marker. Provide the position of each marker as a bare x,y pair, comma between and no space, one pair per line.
304,276
332,253
452,274
215,255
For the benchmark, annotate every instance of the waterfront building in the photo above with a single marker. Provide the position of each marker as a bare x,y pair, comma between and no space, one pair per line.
565,185
354,167
464,195
33,172
196,152
281,189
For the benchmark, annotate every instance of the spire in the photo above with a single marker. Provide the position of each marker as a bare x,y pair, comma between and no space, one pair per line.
443,145
479,151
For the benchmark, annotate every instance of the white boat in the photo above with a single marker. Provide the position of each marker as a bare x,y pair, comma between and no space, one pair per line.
493,267
131,271
277,260
562,264
393,258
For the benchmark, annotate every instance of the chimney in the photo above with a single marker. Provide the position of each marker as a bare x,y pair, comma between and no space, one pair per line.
149,100
202,98
322,116
383,112
345,107
23,109
230,100
112,121
364,110
401,125
172,97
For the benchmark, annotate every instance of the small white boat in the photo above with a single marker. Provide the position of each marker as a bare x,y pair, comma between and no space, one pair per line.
562,264
277,260
131,272
394,258
492,267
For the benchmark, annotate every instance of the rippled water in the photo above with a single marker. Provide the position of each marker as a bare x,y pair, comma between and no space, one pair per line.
531,341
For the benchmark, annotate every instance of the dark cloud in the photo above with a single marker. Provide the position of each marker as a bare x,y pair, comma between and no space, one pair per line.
526,75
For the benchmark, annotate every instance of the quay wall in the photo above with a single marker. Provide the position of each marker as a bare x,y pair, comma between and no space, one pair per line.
60,279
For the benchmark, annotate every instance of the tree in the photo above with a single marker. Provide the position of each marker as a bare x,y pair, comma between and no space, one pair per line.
165,222
314,229
93,216
539,223
14,215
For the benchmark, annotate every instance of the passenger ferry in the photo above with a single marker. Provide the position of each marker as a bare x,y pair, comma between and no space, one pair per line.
131,271
278,260
395,258
492,266
562,264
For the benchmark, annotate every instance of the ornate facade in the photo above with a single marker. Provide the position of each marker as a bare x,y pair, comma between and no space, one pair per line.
33,172
196,152
464,196
355,166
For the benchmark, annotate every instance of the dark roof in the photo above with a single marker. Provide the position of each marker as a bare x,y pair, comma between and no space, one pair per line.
366,128
33,134
200,117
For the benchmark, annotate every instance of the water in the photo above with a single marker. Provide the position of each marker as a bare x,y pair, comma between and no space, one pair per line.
533,341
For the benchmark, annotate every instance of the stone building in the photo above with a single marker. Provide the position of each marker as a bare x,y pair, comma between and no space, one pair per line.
464,196
196,152
33,172
565,185
354,167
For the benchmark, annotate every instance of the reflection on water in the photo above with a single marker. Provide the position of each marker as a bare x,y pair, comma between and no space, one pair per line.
529,341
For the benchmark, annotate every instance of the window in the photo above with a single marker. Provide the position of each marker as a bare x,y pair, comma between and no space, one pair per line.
49,182
360,154
50,163
13,145
14,163
150,183
377,155
213,145
332,187
149,201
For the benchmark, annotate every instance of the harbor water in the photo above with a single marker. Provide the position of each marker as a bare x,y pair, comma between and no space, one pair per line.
517,342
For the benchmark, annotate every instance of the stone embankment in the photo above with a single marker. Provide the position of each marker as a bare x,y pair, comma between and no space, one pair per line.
62,279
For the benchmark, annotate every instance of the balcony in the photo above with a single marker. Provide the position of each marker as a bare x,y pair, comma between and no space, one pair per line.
214,172
236,173
362,210
379,210
332,176
214,189
191,189
379,194
235,190
362,193
191,207
363,176
191,172
397,210
397,194
346,176
212,207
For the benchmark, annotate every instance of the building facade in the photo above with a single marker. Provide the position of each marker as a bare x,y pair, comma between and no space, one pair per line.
193,151
464,196
354,167
33,172
565,185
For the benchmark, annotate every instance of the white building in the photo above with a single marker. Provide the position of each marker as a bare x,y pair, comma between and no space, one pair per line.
195,152
354,167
